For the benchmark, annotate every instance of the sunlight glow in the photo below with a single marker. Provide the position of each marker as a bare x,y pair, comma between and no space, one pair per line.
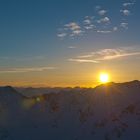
104,77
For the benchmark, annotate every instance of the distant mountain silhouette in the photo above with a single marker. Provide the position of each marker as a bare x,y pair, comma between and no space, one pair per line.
134,83
41,91
7,89
107,112
8,93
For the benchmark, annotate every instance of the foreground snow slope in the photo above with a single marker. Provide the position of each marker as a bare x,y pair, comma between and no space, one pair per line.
107,112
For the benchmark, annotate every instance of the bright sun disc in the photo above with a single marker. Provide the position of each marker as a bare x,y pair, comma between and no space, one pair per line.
104,78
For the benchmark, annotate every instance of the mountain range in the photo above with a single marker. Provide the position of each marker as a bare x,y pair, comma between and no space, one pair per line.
107,112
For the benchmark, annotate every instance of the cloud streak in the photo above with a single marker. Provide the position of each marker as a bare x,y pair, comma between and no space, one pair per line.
25,70
83,60
104,31
128,4
61,35
103,55
72,47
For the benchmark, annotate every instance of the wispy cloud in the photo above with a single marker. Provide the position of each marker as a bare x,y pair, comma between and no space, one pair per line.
126,8
25,58
104,31
89,27
76,33
72,47
97,7
124,25
102,55
100,22
114,29
71,29
24,70
128,4
61,35
109,54
83,60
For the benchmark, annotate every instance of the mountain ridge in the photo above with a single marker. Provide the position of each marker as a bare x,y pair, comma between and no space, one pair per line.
108,112
34,91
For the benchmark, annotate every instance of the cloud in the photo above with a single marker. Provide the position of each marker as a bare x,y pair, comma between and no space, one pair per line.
72,29
125,12
98,7
128,4
98,23
83,60
61,35
89,27
102,12
115,29
25,58
104,20
72,47
76,33
103,55
124,25
109,54
87,21
98,55
24,70
104,31
72,26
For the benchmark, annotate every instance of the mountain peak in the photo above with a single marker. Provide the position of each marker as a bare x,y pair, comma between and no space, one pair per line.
7,88
9,91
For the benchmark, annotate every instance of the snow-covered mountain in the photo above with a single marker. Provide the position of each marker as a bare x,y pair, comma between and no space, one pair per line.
107,112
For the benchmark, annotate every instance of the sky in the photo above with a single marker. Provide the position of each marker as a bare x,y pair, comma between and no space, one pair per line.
68,43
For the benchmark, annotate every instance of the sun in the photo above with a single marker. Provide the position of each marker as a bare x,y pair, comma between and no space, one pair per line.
104,77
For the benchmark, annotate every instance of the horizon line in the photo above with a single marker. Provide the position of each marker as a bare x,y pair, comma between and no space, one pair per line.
77,86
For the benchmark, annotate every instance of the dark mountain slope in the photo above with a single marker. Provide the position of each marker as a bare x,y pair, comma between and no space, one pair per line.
108,112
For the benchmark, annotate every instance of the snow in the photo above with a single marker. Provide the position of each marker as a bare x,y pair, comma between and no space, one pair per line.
107,112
